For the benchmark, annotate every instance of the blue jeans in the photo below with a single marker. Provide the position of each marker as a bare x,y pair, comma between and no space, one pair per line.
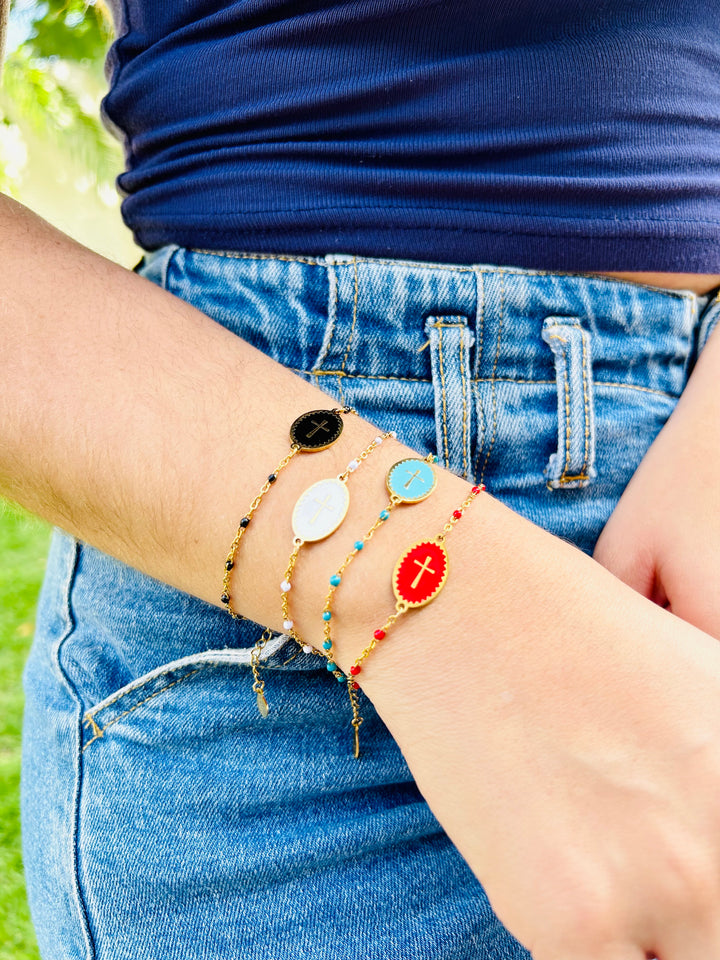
163,816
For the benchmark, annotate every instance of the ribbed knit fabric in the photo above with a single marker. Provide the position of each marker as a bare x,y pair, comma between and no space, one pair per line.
557,134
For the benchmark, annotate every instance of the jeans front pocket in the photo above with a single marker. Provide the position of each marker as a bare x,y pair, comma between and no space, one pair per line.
573,464
136,694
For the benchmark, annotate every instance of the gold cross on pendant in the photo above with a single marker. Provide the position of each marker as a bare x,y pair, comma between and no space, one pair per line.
322,505
424,568
318,426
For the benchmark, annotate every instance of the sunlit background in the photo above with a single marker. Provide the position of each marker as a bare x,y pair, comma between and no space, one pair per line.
57,158
55,154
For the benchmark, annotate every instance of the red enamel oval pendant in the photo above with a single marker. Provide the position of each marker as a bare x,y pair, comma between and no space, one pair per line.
420,573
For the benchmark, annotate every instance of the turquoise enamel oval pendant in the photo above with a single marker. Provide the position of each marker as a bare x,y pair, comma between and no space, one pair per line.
411,480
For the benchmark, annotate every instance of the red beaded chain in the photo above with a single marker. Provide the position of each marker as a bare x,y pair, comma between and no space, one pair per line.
408,594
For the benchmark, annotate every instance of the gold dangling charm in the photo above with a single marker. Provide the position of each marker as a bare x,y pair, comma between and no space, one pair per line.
356,719
259,685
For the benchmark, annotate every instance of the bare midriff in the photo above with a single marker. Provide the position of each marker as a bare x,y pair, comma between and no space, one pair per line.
697,282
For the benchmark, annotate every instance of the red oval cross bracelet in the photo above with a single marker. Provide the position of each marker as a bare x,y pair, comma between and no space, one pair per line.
418,577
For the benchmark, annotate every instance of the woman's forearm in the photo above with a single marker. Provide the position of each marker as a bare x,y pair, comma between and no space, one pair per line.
137,423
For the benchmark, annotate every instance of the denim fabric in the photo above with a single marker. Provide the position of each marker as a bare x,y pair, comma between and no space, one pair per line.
163,817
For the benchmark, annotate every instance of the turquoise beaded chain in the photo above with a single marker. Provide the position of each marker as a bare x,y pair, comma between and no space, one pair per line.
408,592
400,478
313,519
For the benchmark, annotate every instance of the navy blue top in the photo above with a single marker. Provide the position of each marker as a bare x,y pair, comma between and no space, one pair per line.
558,134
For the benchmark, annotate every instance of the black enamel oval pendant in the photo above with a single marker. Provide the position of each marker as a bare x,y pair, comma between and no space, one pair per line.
316,429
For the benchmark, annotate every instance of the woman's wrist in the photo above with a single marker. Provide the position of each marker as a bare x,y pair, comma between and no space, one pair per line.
518,604
365,591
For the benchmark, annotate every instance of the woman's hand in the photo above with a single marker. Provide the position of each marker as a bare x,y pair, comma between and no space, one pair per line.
663,539
566,733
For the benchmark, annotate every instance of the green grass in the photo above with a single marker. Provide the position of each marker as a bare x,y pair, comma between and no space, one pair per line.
23,546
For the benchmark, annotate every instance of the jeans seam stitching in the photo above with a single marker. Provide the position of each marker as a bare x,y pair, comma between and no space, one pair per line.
586,402
90,719
461,327
478,362
329,335
568,429
455,268
493,380
231,255
69,629
354,317
584,472
360,376
463,387
635,386
442,394
541,383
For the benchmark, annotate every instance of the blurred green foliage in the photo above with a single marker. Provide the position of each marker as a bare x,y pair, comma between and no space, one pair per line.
71,29
55,156
23,545
51,88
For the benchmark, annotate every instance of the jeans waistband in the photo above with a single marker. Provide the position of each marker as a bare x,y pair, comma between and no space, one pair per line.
377,314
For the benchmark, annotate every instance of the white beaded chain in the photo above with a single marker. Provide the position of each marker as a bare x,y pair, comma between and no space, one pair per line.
309,529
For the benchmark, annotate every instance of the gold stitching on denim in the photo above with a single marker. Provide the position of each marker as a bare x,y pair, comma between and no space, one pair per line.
322,262
89,719
332,319
440,326
481,321
554,336
542,383
93,711
442,394
354,318
477,380
493,380
453,268
586,401
635,386
332,313
564,481
287,258
583,475
463,386
360,376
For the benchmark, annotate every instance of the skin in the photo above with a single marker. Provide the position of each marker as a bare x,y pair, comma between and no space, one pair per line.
697,282
563,727
662,538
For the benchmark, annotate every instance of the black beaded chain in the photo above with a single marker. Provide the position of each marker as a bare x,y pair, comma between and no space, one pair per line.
309,433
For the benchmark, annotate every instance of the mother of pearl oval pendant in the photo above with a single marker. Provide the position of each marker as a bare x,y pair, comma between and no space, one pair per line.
320,510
